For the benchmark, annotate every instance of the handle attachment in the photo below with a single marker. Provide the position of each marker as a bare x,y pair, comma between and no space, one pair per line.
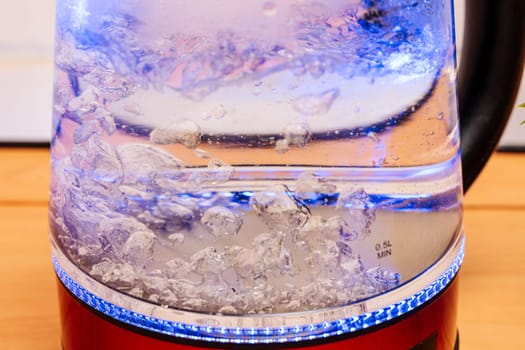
489,77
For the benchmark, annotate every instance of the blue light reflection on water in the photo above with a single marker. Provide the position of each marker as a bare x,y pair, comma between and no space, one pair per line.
398,202
262,335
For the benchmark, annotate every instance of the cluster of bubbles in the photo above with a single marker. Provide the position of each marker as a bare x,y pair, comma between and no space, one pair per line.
106,61
135,218
376,37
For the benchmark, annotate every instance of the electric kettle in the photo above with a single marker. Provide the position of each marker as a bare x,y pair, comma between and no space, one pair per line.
270,173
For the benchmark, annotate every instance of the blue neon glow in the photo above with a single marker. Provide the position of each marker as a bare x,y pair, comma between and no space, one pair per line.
261,335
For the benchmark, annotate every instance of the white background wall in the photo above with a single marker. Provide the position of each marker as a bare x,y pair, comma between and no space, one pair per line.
26,49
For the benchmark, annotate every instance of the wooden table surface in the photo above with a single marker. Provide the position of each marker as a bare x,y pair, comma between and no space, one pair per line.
492,284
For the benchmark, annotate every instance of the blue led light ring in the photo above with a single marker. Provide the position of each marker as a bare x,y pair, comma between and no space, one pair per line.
262,335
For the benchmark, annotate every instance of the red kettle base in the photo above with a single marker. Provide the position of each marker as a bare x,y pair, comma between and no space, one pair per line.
431,326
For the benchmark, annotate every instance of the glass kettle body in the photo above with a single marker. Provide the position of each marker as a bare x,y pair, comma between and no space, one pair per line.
243,173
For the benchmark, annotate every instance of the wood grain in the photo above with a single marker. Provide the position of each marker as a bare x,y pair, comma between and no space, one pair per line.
492,308
24,175
501,184
28,302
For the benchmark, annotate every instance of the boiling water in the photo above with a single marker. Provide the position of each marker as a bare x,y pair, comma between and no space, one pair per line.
299,157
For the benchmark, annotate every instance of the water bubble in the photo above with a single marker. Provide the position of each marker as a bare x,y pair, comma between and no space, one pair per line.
270,252
185,132
87,129
82,214
358,211
392,278
172,215
217,112
154,68
106,120
286,293
89,253
316,103
306,186
295,304
176,238
352,265
100,162
162,136
282,146
269,8
220,221
308,235
316,66
309,295
344,249
136,292
379,162
117,230
194,304
112,86
324,255
207,261
322,293
71,58
398,60
228,310
441,116
188,133
61,98
145,166
356,198
216,172
86,103
177,268
243,262
159,289
97,123
117,275
152,221
139,247
310,185
382,280
149,64
263,298
135,200
362,288
133,108
279,209
339,228
297,134
373,136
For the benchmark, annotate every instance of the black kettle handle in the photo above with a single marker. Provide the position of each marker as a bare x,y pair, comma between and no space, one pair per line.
489,77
